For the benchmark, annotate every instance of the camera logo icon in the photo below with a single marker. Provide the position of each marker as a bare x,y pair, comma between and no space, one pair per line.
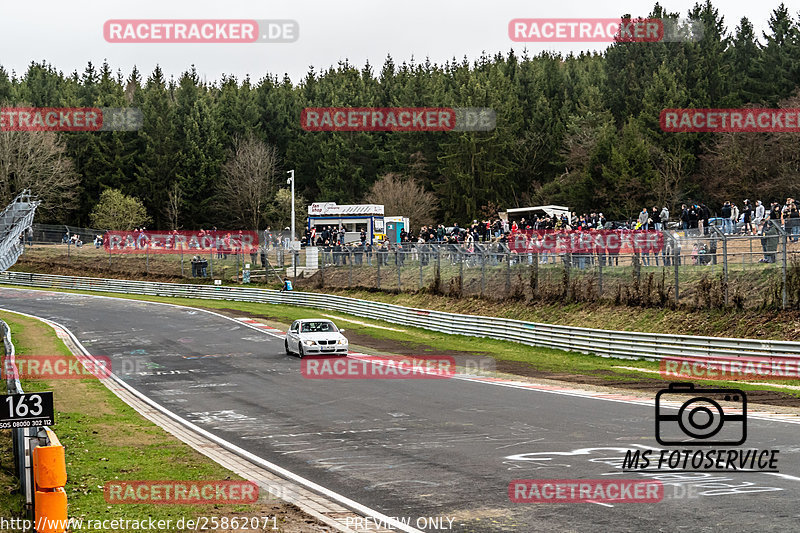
701,420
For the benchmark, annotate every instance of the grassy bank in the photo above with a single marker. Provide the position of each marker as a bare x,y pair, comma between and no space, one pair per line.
766,324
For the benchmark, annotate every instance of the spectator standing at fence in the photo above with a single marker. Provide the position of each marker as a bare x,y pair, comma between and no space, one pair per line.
725,215
684,217
655,220
694,216
734,217
758,218
644,216
663,218
775,213
792,220
704,214
769,239
747,217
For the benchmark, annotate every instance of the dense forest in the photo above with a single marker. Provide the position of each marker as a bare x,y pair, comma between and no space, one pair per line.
581,130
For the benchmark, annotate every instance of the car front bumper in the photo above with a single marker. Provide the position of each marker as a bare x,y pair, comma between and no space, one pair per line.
323,350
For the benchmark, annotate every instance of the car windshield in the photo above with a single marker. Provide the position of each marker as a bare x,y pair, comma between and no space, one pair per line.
318,327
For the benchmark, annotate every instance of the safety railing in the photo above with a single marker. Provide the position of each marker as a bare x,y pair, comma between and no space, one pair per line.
39,458
15,219
607,343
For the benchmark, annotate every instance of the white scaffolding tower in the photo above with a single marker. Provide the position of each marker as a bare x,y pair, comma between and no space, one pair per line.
14,221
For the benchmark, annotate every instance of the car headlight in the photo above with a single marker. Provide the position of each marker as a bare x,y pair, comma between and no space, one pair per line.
309,343
342,341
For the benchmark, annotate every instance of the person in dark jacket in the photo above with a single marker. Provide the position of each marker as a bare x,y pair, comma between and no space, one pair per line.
684,217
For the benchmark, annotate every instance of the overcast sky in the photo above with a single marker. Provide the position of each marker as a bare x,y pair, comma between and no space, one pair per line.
69,33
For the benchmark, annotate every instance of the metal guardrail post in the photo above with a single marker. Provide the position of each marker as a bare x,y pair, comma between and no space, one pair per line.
676,260
378,280
350,272
784,289
508,274
322,266
438,277
461,271
483,272
600,260
397,264
419,258
725,258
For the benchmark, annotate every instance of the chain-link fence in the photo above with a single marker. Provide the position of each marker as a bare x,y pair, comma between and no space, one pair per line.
701,270
704,270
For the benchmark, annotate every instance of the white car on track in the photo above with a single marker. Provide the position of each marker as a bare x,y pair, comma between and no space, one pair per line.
315,336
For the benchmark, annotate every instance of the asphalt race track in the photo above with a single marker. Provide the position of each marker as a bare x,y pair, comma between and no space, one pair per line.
415,448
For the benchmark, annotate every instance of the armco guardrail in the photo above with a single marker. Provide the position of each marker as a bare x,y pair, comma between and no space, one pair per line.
609,343
39,459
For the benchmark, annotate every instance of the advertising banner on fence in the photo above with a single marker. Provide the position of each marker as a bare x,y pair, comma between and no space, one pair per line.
586,242
177,242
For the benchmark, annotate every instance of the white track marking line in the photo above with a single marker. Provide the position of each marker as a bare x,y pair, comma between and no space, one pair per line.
793,387
599,503
785,476
363,323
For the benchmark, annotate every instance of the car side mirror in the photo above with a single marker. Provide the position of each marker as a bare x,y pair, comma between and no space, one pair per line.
341,331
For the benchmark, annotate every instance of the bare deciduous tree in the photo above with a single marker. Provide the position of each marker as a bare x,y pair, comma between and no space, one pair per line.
38,161
281,214
247,187
173,207
406,197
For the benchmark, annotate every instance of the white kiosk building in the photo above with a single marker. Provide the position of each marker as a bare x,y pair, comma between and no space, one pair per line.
354,219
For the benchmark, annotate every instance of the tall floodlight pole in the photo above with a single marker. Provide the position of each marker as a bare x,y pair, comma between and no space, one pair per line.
290,181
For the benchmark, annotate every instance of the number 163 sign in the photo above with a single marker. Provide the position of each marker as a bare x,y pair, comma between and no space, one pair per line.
27,410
